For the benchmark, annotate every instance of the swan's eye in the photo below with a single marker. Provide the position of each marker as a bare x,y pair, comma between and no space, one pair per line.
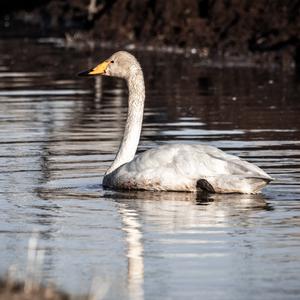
112,61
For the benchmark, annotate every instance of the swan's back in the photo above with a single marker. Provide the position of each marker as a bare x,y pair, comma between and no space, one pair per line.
180,167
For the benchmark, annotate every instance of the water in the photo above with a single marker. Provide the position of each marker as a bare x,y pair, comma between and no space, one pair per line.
59,133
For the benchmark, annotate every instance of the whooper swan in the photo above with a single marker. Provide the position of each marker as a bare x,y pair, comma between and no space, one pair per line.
172,167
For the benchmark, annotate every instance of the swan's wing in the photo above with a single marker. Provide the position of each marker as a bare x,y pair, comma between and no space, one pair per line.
188,167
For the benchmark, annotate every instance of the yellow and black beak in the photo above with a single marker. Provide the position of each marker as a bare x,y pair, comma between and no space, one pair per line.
98,70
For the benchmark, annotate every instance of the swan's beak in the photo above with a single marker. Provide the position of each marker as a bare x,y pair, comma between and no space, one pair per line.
98,70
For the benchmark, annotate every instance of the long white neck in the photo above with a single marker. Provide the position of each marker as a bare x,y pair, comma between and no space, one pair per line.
134,120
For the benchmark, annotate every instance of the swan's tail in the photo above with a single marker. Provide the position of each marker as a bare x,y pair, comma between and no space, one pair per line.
233,184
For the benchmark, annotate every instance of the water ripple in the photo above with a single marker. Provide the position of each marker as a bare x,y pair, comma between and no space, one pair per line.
58,135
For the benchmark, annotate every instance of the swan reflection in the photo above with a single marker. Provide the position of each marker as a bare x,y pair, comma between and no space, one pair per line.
190,206
175,212
135,249
181,225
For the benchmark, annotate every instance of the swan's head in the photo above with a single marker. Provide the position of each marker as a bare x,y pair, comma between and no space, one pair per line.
121,64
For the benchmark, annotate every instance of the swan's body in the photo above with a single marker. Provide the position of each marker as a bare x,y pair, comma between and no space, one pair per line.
177,167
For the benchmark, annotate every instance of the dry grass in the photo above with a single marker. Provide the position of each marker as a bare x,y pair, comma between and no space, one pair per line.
12,290
30,287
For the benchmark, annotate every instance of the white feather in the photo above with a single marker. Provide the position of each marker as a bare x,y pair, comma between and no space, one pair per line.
176,167
181,167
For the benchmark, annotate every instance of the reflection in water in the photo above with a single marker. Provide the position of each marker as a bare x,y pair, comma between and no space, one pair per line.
132,227
187,209
58,135
98,88
174,214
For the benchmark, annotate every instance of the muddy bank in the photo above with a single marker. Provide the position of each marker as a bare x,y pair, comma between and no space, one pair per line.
13,290
261,29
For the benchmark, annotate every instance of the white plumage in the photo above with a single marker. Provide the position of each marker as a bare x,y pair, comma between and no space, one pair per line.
172,167
181,167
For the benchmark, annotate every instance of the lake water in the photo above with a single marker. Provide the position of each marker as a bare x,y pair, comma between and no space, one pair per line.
59,133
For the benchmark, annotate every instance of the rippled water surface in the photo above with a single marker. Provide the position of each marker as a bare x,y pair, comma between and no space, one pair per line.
59,133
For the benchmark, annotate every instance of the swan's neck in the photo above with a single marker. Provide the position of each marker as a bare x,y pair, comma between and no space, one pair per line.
134,120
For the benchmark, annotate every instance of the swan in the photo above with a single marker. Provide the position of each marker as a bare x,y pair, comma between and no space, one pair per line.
172,167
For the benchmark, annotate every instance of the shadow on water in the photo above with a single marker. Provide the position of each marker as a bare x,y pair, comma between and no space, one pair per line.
59,133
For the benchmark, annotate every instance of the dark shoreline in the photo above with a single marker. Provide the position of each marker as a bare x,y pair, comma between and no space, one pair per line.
261,31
